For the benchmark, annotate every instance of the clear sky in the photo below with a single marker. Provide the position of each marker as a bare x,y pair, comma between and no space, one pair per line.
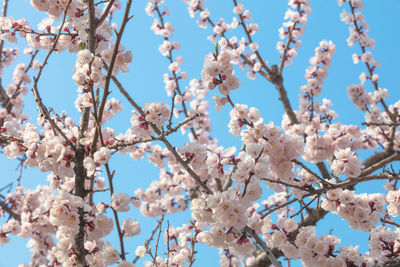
145,83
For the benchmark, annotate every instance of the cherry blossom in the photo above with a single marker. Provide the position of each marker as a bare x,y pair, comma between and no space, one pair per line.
255,201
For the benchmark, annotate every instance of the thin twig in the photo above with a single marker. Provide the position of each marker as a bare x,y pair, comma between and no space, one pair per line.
170,147
286,184
193,243
3,94
147,242
154,138
110,68
41,107
259,57
289,40
228,181
311,172
157,242
185,111
367,64
167,243
390,222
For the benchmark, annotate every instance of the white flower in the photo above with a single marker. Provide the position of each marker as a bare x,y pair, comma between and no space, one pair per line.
102,156
238,9
212,68
84,56
110,254
254,150
120,202
394,206
58,214
130,228
79,78
290,225
140,251
89,165
83,101
11,150
277,239
12,226
101,207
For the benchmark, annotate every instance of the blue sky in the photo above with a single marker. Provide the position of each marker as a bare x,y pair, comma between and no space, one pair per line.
145,83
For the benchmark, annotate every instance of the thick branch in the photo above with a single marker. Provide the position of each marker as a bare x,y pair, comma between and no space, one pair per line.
384,159
79,169
261,243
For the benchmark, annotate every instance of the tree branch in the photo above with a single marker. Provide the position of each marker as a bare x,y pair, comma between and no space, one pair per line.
270,255
103,16
79,169
170,147
6,208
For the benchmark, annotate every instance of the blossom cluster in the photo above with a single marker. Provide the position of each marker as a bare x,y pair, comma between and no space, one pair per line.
358,95
221,187
156,114
358,32
317,72
218,71
297,16
346,162
393,198
360,210
225,215
384,243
